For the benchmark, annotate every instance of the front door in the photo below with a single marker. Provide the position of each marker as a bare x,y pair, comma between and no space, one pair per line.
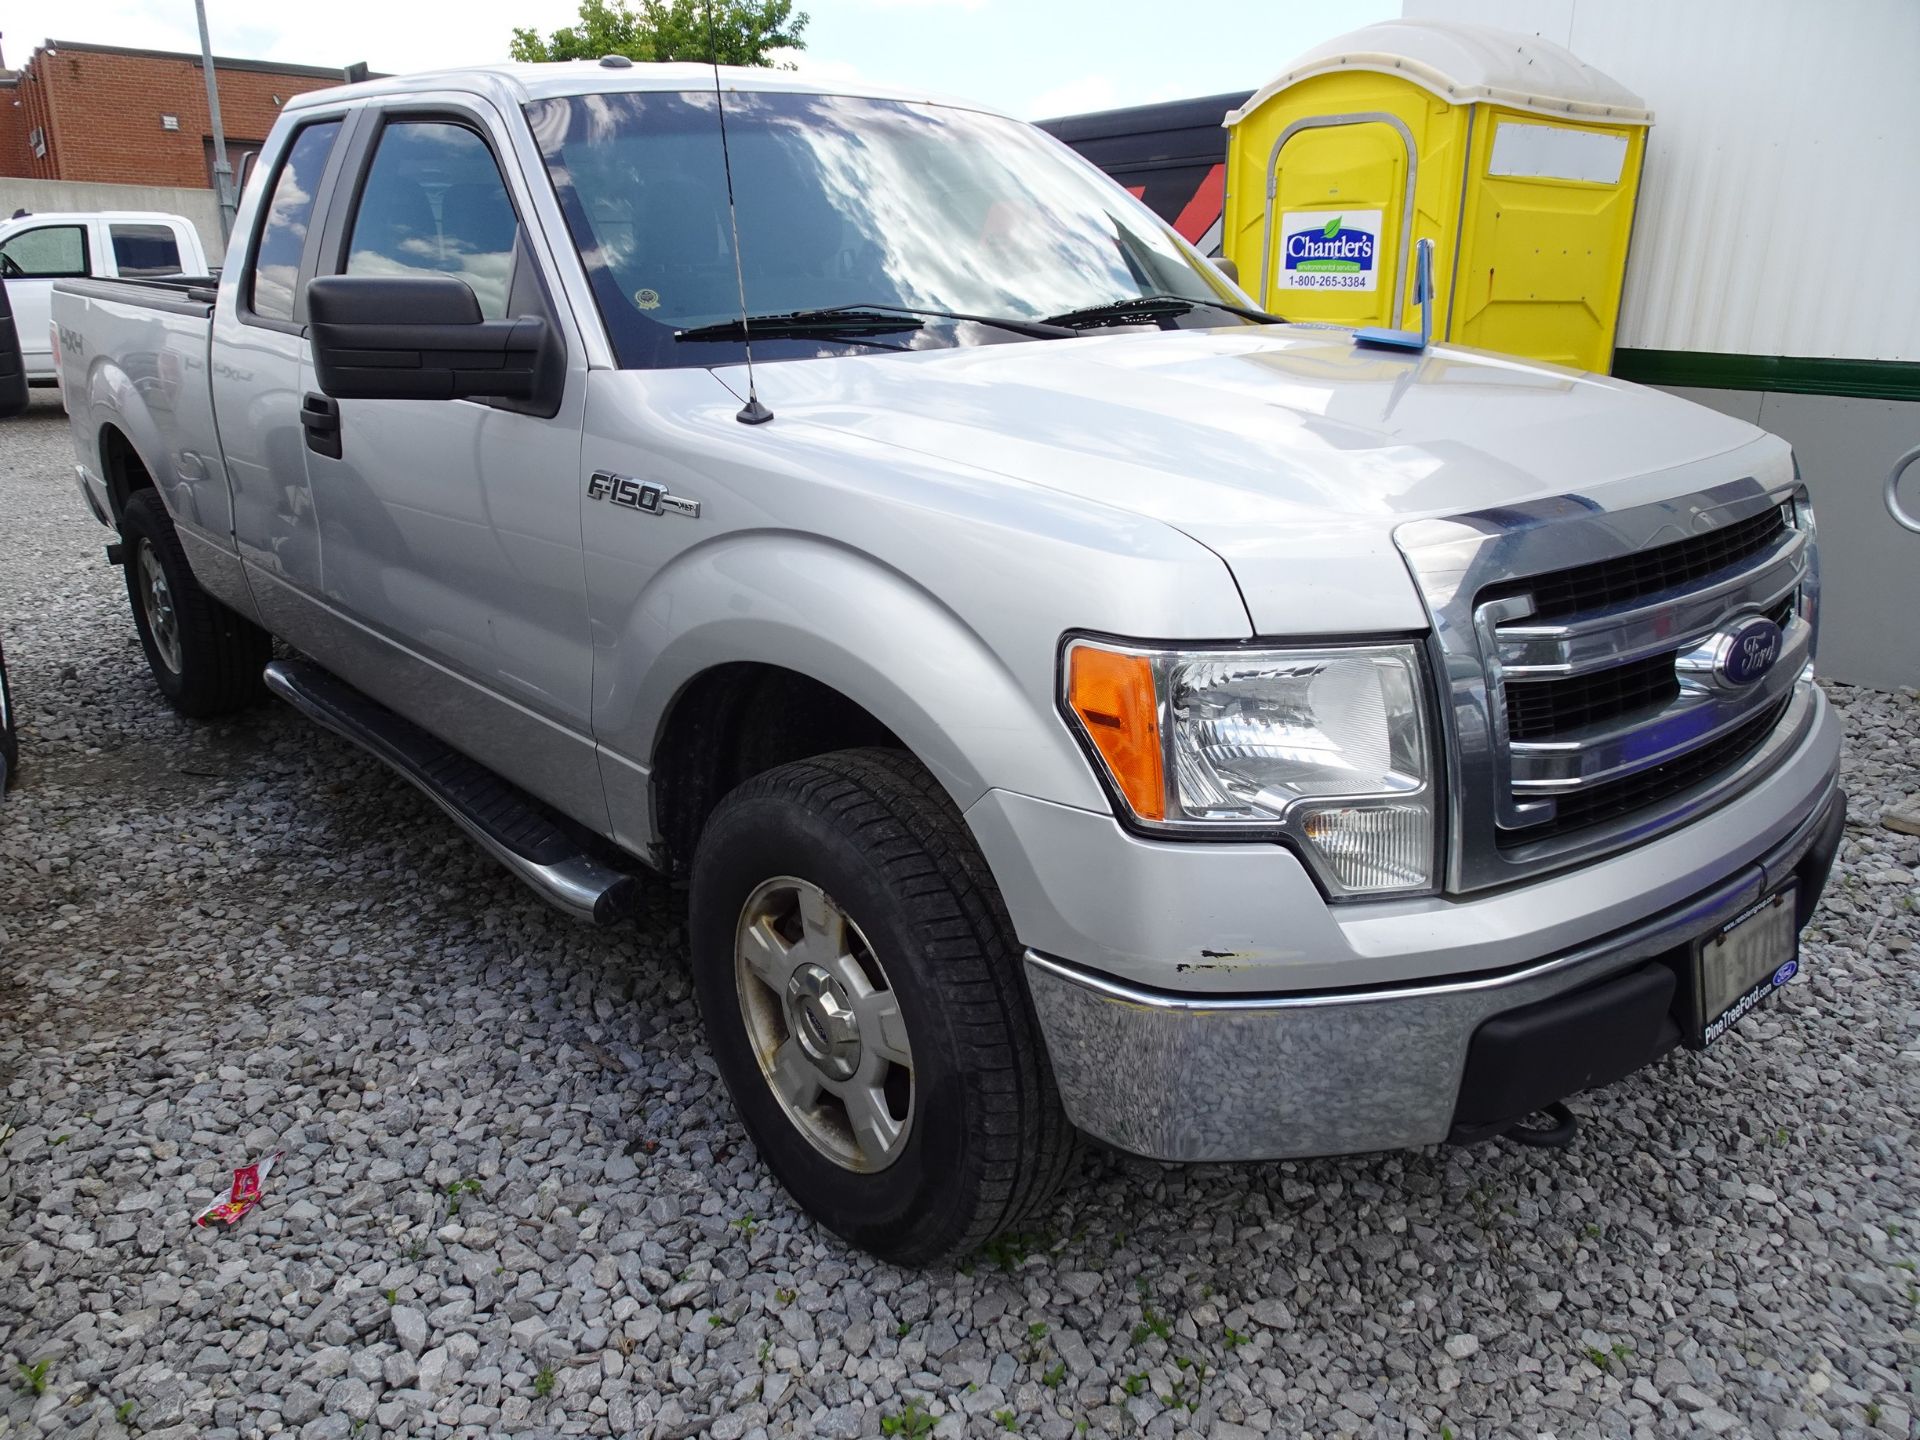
1338,202
30,261
449,530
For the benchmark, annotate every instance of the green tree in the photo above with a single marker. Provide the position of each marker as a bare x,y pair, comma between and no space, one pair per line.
743,32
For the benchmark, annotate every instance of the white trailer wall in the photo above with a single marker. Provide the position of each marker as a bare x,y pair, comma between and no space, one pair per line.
1781,200
1772,272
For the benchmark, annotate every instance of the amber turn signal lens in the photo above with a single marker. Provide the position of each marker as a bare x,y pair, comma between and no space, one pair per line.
1113,696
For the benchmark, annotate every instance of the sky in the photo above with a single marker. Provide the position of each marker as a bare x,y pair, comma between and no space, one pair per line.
1032,58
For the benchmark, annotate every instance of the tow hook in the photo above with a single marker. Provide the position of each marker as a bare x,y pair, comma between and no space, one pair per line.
1557,1135
116,554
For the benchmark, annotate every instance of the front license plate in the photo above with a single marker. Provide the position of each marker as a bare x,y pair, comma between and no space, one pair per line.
1746,962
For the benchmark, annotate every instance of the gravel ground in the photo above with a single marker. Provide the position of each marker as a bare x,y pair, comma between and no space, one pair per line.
515,1200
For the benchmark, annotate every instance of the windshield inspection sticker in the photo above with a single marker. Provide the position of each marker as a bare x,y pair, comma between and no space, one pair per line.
1329,250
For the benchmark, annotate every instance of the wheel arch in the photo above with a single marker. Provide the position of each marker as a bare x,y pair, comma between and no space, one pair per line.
129,446
120,467
157,430
873,657
738,719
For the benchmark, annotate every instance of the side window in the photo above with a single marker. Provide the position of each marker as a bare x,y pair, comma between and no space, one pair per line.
434,204
283,234
52,252
145,250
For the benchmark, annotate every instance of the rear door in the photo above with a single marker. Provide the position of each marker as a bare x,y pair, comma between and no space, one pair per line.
31,259
449,530
259,357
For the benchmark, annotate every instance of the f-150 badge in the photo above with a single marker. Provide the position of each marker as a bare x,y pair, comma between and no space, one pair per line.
641,495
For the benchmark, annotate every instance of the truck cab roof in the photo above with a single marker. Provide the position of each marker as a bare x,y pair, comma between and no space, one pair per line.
75,217
514,85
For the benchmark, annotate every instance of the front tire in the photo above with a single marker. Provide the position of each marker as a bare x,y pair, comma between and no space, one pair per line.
205,658
861,988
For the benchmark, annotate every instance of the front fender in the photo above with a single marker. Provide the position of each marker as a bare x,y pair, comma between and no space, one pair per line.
841,618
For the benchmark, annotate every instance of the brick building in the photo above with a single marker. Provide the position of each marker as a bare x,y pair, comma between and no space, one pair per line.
106,113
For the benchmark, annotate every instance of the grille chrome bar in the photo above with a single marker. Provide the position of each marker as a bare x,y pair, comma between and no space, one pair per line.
1628,593
1545,845
1671,619
1598,753
1672,563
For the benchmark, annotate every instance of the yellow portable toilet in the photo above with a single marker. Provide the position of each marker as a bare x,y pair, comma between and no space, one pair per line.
1517,160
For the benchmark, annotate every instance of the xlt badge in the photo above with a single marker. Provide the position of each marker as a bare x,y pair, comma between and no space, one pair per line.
642,495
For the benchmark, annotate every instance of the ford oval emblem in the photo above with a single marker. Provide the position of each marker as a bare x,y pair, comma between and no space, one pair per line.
1748,651
1786,972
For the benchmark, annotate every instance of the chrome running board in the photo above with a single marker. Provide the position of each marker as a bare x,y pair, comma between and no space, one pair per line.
551,855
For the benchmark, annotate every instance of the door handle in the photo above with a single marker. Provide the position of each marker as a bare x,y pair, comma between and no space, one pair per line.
320,418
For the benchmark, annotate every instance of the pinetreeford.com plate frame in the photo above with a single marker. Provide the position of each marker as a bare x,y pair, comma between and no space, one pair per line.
1739,966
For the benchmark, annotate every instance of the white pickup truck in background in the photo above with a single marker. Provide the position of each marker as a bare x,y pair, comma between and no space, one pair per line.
36,250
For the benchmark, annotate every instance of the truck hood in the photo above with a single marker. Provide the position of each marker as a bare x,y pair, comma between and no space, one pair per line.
1287,450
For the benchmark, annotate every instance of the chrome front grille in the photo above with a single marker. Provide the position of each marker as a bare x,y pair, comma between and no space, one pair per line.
1585,709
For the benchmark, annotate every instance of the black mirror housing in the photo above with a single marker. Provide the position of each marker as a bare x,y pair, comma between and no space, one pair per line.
401,337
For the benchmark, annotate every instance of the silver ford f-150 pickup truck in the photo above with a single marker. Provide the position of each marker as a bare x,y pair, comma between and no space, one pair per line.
1077,702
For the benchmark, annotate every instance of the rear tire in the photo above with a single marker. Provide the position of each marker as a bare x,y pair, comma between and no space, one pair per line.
205,658
980,1141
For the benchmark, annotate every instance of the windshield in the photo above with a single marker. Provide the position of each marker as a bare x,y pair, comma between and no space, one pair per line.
843,201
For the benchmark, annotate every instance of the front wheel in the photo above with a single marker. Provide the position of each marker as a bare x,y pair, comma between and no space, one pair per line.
861,989
206,659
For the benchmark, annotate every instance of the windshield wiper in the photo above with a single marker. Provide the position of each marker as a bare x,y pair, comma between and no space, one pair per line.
841,323
1140,307
855,321
1037,329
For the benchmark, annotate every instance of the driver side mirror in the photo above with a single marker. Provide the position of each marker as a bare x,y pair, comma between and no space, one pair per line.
401,337
1228,268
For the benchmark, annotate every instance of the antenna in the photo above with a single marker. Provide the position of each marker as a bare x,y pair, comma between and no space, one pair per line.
753,412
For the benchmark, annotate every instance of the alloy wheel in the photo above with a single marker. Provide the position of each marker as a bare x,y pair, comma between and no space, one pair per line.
824,1023
156,597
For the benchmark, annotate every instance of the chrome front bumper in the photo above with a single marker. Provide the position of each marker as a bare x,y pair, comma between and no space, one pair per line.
1220,1077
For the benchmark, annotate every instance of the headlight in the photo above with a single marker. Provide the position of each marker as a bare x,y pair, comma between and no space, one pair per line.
1327,745
1799,512
1799,515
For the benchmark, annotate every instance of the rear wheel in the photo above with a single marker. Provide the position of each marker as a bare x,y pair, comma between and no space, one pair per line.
205,658
862,993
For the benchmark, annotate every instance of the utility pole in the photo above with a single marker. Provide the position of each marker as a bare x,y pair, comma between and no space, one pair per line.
222,171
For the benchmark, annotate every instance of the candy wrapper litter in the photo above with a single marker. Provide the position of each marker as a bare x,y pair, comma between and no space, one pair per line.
247,1182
